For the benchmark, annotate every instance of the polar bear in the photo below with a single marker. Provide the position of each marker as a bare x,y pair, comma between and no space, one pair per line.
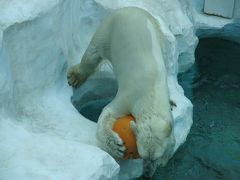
131,39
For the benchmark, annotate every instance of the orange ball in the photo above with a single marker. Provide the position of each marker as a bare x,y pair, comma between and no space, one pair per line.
122,127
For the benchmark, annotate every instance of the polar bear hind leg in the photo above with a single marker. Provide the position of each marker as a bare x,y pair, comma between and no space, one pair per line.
95,53
79,73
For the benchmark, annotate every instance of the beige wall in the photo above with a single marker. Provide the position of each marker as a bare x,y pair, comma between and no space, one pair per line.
223,8
237,9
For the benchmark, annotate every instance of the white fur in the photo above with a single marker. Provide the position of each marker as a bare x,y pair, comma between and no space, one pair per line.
131,40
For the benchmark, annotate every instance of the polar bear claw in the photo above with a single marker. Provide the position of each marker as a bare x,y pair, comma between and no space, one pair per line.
76,76
107,138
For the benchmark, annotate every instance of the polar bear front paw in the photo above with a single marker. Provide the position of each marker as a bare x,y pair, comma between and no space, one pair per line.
75,76
113,144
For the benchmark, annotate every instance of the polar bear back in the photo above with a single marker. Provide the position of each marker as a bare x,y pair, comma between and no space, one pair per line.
136,51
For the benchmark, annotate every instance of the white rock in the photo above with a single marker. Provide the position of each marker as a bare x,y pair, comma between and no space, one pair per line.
42,135
29,155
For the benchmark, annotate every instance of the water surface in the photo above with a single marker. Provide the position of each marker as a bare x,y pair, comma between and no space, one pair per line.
212,149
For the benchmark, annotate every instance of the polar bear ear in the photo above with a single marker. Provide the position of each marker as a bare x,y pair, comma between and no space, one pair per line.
134,127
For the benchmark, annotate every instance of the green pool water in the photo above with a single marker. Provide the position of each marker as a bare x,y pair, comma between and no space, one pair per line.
212,148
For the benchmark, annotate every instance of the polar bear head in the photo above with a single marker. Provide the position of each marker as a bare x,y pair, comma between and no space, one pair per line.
155,139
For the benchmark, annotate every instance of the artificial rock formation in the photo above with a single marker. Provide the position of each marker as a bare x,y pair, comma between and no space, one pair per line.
42,135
